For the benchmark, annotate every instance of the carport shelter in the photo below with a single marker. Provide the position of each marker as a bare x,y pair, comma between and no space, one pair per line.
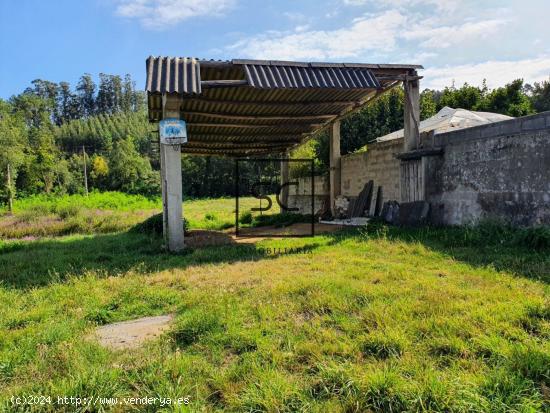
244,108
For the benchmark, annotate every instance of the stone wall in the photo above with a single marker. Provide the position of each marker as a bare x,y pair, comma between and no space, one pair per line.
499,170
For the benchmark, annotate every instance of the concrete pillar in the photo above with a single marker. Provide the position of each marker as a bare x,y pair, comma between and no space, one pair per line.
170,173
285,175
335,162
412,113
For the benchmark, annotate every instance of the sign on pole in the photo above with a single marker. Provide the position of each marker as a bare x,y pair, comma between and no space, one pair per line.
172,131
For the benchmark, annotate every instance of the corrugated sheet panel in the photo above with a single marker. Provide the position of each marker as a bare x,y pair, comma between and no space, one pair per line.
173,75
309,76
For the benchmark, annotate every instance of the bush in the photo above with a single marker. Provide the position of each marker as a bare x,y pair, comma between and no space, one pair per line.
154,226
246,218
68,210
280,220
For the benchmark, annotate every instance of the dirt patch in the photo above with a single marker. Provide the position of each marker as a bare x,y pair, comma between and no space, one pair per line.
247,235
133,333
205,238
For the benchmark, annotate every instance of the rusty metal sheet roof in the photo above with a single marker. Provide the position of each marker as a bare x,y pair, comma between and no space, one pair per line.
173,75
270,107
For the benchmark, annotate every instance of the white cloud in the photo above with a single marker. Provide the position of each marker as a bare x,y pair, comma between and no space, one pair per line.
442,5
366,33
497,73
157,14
445,36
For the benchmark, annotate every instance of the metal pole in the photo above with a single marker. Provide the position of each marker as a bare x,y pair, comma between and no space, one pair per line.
10,192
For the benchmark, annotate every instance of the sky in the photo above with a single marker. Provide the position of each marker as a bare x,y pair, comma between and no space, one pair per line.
456,41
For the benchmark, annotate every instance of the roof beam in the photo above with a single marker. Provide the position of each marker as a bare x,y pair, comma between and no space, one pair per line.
201,137
271,104
249,126
233,140
259,117
229,144
206,84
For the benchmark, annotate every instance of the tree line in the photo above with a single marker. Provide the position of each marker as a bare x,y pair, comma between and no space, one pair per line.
51,135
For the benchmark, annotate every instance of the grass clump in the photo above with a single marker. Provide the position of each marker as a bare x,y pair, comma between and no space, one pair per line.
383,345
194,326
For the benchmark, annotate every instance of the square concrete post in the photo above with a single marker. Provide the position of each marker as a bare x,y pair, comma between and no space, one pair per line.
285,175
412,113
335,162
170,174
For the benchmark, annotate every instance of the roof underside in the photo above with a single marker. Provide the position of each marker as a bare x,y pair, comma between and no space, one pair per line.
251,107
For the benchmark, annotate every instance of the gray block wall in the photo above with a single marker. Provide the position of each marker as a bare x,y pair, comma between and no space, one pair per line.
500,170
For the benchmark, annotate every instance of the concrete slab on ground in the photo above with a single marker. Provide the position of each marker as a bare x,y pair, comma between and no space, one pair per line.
348,222
133,333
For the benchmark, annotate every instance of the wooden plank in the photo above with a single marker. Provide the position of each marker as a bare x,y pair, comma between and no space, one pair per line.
298,126
363,200
379,202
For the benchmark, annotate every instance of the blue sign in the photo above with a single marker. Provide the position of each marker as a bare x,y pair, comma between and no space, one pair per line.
172,131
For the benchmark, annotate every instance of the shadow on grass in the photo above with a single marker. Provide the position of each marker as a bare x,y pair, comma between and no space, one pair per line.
38,263
26,265
522,252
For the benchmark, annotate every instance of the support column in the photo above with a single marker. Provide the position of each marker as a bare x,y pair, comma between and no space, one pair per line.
412,113
335,161
284,179
170,173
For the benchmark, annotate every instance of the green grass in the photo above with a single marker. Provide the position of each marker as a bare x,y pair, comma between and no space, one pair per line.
382,319
107,212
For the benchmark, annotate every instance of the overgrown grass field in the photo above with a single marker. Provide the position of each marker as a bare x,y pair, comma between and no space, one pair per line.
106,212
377,319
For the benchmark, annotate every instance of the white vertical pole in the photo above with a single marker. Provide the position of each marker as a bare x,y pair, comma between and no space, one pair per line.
170,165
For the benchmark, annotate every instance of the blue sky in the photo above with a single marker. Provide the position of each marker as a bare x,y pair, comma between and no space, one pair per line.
464,41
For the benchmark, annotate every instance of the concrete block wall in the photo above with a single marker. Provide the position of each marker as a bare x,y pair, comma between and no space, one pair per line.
500,170
300,196
377,163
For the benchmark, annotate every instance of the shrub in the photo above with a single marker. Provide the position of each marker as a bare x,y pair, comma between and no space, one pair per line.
280,220
154,226
246,218
68,210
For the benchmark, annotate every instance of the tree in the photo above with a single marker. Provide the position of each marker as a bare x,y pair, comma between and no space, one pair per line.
100,171
127,103
130,172
509,100
540,96
428,107
105,94
67,104
86,95
12,145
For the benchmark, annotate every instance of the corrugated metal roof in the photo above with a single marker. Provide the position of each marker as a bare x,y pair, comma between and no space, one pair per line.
269,76
173,75
280,105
